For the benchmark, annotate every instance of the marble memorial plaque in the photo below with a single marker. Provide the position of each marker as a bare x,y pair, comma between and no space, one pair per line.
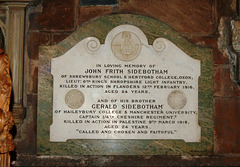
125,89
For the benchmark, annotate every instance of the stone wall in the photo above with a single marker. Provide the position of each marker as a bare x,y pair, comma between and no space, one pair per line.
205,23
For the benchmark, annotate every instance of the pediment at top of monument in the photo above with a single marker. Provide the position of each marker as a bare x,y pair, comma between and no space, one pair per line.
128,44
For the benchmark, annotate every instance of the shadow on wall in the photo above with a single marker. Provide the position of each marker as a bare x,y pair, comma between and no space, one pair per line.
1,39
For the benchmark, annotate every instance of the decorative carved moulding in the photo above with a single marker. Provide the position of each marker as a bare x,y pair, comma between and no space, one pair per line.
16,1
235,24
236,35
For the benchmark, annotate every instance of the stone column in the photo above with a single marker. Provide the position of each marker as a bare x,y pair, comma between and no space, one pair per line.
14,48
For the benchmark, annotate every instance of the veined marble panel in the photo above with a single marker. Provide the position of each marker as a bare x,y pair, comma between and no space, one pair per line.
153,30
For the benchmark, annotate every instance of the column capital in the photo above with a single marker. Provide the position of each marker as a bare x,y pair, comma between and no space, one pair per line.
16,3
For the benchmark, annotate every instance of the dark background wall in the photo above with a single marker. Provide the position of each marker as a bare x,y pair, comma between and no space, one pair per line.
205,23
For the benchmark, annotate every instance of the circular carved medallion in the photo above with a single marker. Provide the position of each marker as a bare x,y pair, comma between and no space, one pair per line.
74,98
126,46
177,99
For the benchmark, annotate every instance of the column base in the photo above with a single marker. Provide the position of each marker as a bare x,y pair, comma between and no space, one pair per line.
19,113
